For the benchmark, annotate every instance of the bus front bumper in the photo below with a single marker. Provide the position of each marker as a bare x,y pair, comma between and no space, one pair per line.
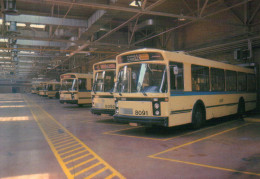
143,120
69,101
102,111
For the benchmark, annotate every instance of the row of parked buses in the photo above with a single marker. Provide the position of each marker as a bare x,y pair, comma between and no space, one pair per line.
157,87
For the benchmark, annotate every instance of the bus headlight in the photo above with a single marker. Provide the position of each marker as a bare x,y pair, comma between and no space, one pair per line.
157,113
156,105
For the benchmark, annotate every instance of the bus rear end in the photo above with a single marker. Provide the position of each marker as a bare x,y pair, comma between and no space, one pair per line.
141,89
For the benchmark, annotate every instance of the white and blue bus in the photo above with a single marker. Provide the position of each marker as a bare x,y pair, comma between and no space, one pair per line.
157,87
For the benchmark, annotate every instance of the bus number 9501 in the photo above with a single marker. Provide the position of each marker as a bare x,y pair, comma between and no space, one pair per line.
141,112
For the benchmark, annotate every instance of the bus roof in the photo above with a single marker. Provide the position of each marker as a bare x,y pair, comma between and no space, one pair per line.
79,75
186,58
106,61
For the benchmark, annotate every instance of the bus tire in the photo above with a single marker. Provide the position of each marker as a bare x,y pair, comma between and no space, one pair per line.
198,116
241,108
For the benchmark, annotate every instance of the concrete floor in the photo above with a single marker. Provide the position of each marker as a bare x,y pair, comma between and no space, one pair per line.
41,138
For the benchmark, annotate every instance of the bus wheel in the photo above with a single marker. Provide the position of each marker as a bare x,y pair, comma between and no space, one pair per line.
198,117
241,109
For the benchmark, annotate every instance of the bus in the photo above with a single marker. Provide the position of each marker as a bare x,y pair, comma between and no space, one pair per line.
76,88
102,93
157,87
35,86
53,89
43,89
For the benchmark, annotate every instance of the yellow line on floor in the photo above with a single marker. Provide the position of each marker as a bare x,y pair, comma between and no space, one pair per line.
42,117
198,140
82,163
207,166
86,169
96,173
75,159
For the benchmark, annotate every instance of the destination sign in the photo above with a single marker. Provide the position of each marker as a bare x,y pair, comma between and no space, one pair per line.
105,66
140,57
67,76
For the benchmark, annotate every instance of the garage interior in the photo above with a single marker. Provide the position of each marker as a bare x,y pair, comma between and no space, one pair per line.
42,39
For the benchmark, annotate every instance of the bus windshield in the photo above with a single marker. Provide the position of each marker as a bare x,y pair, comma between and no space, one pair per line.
104,81
142,78
69,85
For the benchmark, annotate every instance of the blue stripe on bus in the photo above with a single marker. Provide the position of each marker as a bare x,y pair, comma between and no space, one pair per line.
193,93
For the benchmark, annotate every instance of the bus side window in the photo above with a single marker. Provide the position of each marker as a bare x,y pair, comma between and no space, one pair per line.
251,83
176,76
82,84
200,78
231,80
217,77
241,82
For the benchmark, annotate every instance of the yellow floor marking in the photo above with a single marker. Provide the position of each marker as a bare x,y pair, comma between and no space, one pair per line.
96,173
64,158
124,135
198,140
60,139
86,169
110,176
155,156
55,144
58,136
64,145
108,132
73,160
67,152
207,166
69,147
151,138
82,163
197,131
42,117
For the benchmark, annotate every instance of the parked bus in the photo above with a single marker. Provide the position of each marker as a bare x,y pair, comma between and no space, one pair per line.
156,87
102,94
43,89
35,86
53,89
76,88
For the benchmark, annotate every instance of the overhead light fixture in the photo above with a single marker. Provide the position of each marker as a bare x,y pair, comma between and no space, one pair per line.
181,18
38,26
136,3
5,51
3,40
20,24
27,52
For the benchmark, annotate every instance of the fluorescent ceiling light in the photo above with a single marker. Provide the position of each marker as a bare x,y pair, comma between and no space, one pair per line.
134,3
4,62
20,24
26,52
1,57
1,50
3,40
39,26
